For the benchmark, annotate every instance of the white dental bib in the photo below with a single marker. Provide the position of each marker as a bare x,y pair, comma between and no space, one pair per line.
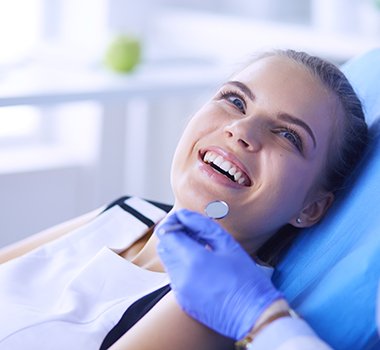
70,293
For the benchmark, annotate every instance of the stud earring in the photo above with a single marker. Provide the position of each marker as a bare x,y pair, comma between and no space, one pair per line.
298,220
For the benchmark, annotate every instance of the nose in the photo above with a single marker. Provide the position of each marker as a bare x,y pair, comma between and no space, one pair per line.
245,133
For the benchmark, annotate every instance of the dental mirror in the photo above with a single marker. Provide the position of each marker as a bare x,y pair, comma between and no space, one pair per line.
217,209
214,210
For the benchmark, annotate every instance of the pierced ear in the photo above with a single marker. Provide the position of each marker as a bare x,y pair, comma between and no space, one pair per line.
314,210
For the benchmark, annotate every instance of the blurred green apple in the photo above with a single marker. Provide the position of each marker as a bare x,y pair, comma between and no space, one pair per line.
123,53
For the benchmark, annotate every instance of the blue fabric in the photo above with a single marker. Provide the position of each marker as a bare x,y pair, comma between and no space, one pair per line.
331,273
364,74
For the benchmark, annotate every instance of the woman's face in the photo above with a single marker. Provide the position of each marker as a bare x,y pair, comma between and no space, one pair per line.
261,145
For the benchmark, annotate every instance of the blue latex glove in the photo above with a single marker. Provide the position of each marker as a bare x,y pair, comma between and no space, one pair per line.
221,287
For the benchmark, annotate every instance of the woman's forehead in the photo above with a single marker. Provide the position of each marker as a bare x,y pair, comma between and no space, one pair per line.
286,84
276,68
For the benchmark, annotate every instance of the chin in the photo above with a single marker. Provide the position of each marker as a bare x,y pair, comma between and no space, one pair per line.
188,205
195,203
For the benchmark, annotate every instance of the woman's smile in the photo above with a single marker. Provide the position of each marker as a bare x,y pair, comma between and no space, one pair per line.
215,161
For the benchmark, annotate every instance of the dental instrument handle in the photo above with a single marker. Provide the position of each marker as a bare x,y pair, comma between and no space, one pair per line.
214,210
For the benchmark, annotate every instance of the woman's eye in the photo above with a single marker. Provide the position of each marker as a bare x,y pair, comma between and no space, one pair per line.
238,103
235,99
293,137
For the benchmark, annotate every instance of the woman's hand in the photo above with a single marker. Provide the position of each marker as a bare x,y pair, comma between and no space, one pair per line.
215,281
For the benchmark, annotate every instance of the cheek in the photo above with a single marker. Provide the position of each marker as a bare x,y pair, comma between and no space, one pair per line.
185,145
183,153
288,182
279,196
200,125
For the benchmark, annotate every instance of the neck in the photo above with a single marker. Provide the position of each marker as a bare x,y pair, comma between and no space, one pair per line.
147,257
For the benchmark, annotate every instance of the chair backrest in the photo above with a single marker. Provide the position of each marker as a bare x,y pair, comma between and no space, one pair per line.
332,271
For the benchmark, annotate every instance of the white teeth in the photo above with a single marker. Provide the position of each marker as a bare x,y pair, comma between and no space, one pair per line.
218,160
212,156
237,175
225,165
232,171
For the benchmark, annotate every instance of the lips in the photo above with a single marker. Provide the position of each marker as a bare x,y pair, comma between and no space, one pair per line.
226,167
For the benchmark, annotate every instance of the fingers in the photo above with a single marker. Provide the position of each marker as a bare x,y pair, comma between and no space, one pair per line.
207,230
177,246
199,228
169,224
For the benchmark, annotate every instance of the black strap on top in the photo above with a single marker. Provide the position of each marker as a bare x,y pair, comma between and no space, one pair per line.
140,307
121,202
134,313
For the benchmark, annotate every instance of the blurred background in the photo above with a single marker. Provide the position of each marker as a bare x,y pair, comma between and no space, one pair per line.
75,135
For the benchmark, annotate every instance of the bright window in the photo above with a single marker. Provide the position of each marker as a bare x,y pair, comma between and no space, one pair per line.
19,123
20,29
49,136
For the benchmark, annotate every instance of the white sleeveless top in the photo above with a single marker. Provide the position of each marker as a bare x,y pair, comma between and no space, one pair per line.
68,294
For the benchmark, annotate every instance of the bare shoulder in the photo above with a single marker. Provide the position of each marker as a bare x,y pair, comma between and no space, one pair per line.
166,326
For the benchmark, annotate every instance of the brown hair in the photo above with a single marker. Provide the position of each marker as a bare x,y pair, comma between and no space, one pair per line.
347,149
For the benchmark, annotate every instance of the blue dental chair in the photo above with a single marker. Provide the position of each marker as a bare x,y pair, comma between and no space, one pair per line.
331,273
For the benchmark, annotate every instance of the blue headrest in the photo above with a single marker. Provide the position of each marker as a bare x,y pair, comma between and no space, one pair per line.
331,273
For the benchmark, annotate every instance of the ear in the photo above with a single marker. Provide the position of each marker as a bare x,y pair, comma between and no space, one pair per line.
314,210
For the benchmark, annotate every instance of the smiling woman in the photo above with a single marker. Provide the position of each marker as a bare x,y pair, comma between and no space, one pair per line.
275,143
272,127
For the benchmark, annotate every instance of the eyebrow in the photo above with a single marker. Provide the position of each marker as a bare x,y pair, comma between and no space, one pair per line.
243,88
293,120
